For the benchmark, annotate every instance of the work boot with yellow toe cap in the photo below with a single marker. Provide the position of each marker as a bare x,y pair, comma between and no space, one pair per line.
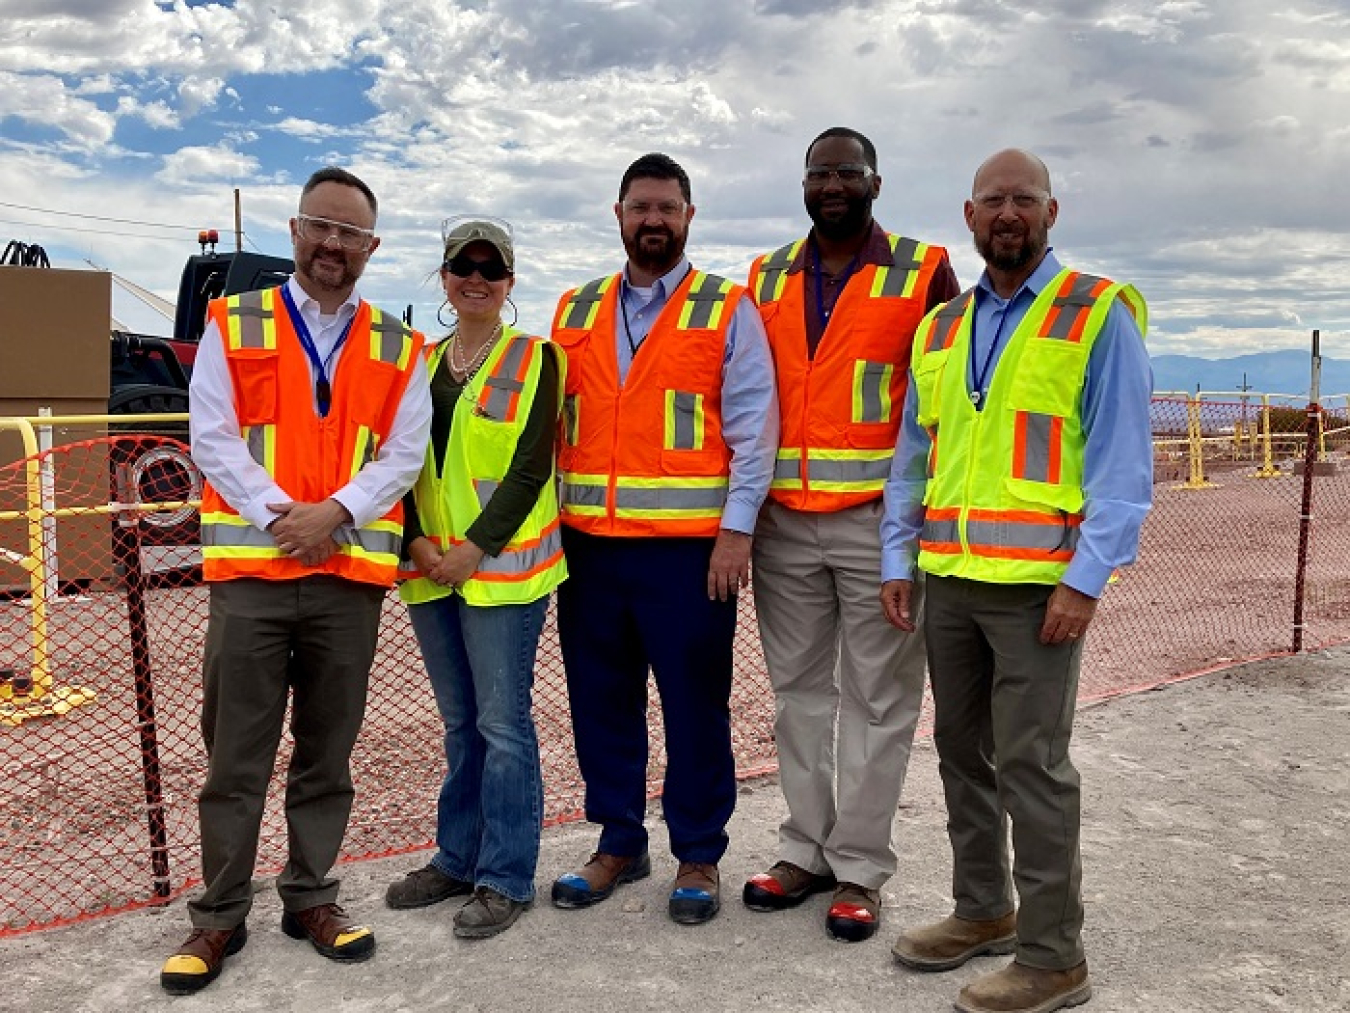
198,961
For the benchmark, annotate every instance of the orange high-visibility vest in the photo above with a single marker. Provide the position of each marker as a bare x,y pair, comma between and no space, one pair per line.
647,457
841,410
309,457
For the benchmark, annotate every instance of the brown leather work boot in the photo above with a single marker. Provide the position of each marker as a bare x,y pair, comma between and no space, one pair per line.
784,886
198,961
698,893
597,879
952,941
330,931
1022,989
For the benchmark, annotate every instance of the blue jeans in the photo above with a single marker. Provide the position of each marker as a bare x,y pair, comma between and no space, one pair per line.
481,663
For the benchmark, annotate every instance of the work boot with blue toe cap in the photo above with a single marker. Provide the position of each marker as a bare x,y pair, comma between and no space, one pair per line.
696,897
598,878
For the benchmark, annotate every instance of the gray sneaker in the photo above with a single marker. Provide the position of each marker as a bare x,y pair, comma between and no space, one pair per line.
424,887
486,914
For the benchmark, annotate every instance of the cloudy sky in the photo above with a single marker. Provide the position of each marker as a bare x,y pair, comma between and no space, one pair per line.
1197,147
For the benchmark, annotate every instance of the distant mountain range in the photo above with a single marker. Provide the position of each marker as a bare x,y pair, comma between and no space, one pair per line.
1283,372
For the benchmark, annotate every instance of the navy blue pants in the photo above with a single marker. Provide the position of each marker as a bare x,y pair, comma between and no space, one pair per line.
631,603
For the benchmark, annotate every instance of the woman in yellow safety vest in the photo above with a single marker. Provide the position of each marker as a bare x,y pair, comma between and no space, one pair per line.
484,552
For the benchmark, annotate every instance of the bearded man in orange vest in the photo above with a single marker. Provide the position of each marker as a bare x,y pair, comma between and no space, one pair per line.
670,425
840,308
310,416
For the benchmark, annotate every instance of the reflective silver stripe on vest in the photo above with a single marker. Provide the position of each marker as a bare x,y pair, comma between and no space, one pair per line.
1037,448
485,487
849,471
257,444
947,317
703,298
583,495
897,276
787,467
251,314
1012,535
515,561
940,531
502,384
774,267
686,435
393,334
873,383
670,498
582,300
235,536
1080,296
1004,534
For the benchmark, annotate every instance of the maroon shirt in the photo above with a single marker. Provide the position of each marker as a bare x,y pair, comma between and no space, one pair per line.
877,250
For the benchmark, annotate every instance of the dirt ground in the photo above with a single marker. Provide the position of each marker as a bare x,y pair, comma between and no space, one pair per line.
1216,873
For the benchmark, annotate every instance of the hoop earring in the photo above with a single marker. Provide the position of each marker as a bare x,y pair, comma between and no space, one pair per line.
454,317
515,313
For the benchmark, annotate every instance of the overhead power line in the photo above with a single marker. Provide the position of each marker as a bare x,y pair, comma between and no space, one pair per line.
97,218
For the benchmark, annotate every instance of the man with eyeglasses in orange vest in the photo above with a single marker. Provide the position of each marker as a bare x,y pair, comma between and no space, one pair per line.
1022,478
840,308
310,416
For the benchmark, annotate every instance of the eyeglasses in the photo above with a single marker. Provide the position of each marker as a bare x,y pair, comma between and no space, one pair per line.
642,208
819,175
1021,200
313,229
461,265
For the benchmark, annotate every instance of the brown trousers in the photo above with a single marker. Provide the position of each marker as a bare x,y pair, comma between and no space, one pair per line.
313,639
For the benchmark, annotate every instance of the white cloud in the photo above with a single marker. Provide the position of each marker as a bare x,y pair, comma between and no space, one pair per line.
194,165
1197,147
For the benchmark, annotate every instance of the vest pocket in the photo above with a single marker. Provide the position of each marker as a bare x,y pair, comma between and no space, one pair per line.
256,375
928,385
1049,377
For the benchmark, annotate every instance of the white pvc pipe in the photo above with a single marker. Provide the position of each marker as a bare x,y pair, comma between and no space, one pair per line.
47,485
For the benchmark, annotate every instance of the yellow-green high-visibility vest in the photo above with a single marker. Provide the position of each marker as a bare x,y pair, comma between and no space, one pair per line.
1004,497
489,418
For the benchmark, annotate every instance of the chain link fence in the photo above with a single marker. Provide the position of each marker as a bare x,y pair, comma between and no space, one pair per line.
103,617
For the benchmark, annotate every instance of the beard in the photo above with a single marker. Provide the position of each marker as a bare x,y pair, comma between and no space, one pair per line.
328,269
838,225
1011,249
655,248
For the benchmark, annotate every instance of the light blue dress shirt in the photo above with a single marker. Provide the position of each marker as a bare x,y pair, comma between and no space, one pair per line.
749,393
1117,459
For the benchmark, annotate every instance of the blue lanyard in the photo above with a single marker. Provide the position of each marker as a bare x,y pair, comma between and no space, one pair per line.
822,314
633,346
323,389
977,382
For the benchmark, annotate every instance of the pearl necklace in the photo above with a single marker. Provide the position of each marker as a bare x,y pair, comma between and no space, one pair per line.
469,369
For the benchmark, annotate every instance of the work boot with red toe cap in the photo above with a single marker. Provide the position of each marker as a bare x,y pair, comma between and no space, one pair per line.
784,886
855,913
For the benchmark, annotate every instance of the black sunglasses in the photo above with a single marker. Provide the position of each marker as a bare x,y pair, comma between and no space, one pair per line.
463,266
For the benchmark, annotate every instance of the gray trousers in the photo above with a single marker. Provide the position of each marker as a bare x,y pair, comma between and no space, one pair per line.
314,638
847,687
1003,716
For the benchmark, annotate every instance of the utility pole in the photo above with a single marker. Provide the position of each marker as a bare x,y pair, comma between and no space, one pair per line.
238,224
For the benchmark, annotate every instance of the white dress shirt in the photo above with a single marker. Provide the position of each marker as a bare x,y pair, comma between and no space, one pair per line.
219,450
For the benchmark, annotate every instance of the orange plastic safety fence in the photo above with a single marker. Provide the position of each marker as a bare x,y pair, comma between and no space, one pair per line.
98,802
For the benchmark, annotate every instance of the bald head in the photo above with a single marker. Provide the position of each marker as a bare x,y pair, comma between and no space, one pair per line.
1012,163
1010,214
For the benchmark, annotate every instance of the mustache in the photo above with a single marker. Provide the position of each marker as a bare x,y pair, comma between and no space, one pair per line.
653,230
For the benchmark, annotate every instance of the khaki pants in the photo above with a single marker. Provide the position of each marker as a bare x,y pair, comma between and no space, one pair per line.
313,638
1004,708
847,686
